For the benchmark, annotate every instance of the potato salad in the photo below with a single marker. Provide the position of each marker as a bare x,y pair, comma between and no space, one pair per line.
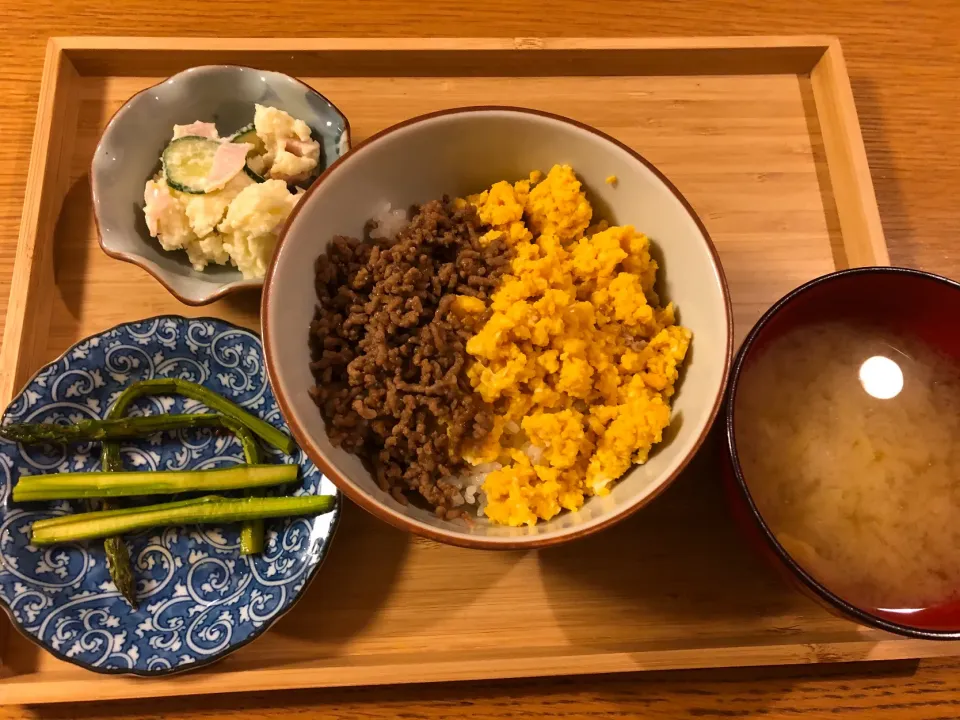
223,199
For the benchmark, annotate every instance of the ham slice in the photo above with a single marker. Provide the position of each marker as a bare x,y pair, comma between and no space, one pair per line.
228,162
157,201
301,148
197,129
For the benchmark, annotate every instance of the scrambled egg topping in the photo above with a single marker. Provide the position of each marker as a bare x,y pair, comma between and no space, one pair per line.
577,358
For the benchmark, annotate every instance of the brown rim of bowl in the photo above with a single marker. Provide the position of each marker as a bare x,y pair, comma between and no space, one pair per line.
236,285
401,521
825,595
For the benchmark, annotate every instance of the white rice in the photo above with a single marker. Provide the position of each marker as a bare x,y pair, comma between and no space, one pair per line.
472,483
387,222
533,452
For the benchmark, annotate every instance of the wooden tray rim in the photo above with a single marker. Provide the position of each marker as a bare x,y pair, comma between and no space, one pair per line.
69,58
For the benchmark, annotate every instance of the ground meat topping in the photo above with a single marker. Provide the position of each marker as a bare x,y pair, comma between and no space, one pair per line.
389,351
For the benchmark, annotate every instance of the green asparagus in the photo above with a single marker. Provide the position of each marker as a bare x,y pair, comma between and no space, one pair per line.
114,429
123,512
175,386
114,548
117,427
251,532
210,509
251,535
119,565
67,486
238,420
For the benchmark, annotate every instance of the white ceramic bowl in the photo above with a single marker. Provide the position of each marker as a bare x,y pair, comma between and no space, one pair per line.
129,150
463,151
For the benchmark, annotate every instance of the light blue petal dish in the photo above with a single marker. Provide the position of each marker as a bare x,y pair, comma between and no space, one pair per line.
199,598
129,150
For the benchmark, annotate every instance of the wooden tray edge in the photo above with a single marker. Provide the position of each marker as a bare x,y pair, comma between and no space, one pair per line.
76,43
15,347
303,676
854,195
663,56
32,281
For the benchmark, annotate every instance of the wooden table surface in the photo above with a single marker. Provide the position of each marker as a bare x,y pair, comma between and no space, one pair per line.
904,67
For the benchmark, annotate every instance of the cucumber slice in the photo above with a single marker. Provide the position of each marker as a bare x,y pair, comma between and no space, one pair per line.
253,175
249,135
187,161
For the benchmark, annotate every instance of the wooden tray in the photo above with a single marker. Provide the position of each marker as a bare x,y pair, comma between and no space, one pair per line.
760,134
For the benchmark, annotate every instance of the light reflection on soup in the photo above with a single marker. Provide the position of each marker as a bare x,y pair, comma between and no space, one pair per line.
849,439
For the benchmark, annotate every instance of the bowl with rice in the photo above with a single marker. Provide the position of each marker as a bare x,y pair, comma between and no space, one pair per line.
843,426
497,327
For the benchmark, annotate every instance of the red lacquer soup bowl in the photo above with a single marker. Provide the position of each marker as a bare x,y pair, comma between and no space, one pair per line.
917,305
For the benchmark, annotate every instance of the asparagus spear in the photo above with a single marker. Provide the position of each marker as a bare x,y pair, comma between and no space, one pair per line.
122,512
66,486
112,429
110,455
119,565
115,549
251,532
118,557
251,535
210,509
235,418
175,386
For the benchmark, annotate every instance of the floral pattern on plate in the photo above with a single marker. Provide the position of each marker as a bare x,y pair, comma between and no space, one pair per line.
199,598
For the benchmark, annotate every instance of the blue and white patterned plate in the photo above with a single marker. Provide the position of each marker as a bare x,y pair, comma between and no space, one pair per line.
199,598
